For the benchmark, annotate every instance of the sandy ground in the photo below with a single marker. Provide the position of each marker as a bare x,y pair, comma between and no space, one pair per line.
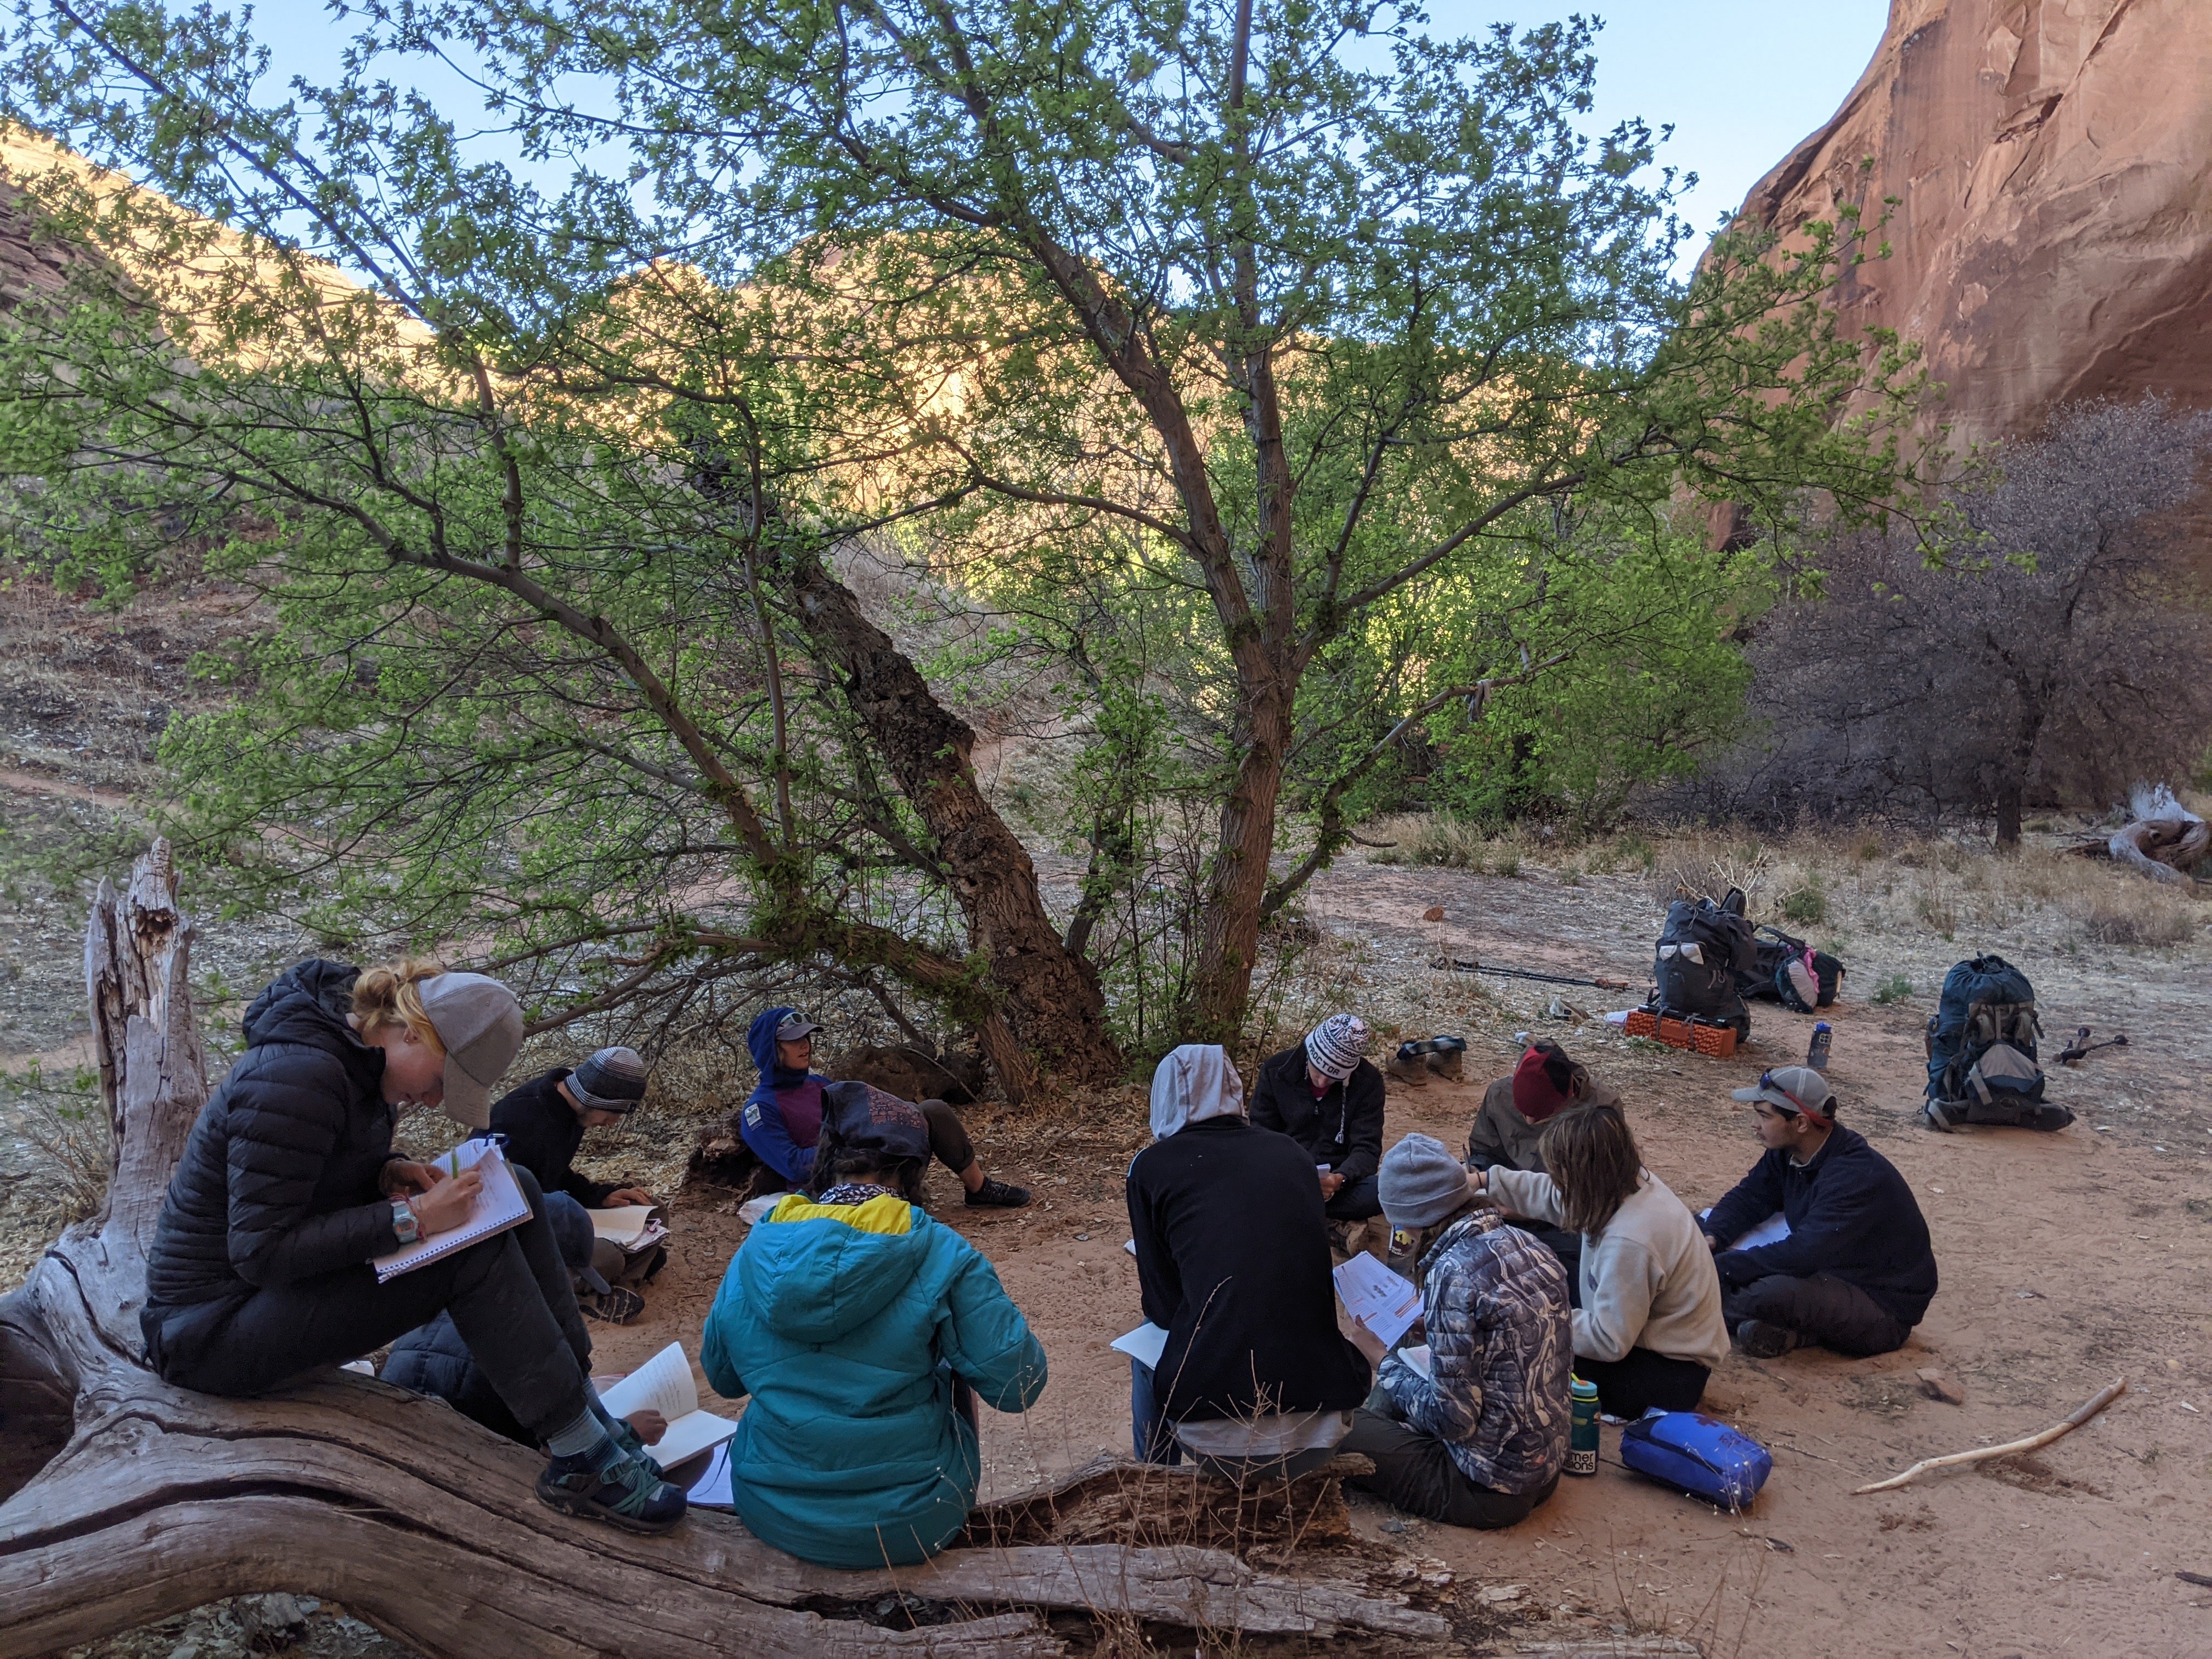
2067,1259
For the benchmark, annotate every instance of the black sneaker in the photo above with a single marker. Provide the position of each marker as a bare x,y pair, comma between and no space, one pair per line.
998,1195
1762,1340
618,1490
615,1304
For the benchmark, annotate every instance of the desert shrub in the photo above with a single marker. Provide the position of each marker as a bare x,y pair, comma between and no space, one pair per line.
2145,913
1894,989
1807,903
66,1120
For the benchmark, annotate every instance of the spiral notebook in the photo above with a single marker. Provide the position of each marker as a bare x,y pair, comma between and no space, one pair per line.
500,1204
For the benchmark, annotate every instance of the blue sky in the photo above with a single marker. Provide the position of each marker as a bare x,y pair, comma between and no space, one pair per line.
1740,81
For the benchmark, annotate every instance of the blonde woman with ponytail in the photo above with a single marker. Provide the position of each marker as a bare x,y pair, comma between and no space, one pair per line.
289,1188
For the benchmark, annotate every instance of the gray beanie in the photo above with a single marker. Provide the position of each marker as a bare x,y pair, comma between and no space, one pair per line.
1421,1182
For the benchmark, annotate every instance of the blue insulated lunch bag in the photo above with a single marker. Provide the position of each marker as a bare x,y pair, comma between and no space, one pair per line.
1697,1455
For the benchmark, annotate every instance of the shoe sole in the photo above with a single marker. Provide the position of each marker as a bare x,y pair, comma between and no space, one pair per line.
584,1510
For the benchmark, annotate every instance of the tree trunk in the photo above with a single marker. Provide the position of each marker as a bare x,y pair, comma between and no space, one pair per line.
417,1520
2008,811
1049,996
1238,884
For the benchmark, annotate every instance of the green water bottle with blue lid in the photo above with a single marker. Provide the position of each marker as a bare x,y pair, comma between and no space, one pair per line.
1582,1435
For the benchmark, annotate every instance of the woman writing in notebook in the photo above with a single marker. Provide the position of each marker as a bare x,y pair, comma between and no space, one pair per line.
289,1190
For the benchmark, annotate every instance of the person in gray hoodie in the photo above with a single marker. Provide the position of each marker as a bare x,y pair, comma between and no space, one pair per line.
1649,1329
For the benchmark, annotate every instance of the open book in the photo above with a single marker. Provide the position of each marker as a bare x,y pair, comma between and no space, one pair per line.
663,1384
632,1226
500,1204
1384,1302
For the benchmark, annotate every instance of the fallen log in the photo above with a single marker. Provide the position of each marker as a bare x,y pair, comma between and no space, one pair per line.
127,1500
2089,1408
2165,839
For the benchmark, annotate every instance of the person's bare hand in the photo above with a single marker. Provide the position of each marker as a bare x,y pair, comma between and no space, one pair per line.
649,1425
400,1176
446,1204
1331,1184
1368,1343
1477,1183
623,1196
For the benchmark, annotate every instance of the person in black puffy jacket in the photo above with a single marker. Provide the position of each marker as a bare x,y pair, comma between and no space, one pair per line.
260,1271
1326,1095
433,1359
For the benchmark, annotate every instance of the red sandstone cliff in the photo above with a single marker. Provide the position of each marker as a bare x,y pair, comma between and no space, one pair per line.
2053,161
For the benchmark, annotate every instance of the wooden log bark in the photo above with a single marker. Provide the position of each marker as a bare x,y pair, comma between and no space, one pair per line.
414,1518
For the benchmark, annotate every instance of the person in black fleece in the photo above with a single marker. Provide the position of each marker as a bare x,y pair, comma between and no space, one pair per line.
1324,1094
1233,1262
260,1270
1855,1273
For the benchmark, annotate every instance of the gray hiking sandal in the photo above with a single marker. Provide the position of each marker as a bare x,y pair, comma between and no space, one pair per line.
619,1490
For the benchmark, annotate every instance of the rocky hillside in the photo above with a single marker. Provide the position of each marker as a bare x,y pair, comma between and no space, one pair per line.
2051,161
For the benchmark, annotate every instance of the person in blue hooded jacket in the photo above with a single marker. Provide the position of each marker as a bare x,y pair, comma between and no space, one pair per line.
783,1117
863,1332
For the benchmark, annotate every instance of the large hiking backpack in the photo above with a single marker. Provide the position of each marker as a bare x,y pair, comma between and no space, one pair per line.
1704,953
1981,1052
1788,971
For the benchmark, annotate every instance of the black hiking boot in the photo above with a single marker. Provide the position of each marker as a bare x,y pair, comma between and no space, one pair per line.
612,1487
998,1195
615,1304
1762,1340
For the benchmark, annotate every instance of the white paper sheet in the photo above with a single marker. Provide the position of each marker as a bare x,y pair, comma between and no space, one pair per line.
713,1489
1422,1359
499,1206
1772,1230
1379,1299
1145,1345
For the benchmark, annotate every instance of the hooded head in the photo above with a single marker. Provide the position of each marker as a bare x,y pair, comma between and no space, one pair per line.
761,1040
1194,1082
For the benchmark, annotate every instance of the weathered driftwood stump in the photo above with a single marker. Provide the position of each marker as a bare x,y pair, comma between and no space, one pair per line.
127,1500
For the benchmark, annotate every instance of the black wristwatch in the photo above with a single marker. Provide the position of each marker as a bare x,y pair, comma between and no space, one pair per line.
405,1221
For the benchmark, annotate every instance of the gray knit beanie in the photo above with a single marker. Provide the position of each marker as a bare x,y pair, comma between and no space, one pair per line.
1421,1182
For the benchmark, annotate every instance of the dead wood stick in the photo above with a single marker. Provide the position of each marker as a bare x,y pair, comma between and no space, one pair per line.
2103,1398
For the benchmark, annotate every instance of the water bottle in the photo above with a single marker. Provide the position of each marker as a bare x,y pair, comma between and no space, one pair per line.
1816,1053
1582,1437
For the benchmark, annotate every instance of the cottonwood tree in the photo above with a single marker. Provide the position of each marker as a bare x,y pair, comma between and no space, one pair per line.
2049,645
559,665
1328,315
1323,307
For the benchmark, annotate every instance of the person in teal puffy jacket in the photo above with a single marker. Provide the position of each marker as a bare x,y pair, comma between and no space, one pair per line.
863,1331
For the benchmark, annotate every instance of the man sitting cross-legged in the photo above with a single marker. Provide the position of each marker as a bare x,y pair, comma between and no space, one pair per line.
1856,1272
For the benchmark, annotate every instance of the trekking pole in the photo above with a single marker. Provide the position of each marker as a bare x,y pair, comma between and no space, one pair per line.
2081,1048
1468,965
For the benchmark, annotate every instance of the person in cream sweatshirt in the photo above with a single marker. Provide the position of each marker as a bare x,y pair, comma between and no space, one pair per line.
1649,1329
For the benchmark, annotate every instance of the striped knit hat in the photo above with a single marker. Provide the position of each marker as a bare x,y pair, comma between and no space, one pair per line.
1336,1046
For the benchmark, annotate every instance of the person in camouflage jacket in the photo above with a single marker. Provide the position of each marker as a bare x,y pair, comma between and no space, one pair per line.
1477,1438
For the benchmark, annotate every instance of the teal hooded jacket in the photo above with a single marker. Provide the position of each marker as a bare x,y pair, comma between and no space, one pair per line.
845,1324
